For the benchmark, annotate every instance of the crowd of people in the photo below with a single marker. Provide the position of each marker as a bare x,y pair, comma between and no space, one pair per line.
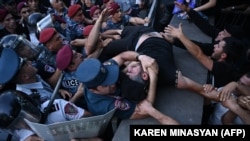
109,60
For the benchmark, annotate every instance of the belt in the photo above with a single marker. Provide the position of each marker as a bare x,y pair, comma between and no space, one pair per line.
145,36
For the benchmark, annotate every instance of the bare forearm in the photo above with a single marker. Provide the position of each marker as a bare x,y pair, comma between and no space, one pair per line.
209,4
190,46
90,45
111,32
126,56
243,114
137,21
76,97
163,119
152,90
228,118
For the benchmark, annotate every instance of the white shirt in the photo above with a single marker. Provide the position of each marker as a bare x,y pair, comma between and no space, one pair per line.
43,88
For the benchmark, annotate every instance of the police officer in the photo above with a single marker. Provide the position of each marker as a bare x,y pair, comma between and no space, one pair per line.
24,75
68,60
59,12
26,49
76,22
25,108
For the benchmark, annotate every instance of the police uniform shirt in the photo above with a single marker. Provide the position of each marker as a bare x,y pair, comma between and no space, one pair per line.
60,18
101,104
119,25
43,88
69,82
47,57
74,30
44,70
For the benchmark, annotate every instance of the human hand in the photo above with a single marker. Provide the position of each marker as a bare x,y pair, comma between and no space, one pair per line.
143,107
106,42
226,91
105,13
115,37
146,20
208,88
174,32
244,101
65,94
146,62
212,95
80,89
170,39
78,42
182,6
153,70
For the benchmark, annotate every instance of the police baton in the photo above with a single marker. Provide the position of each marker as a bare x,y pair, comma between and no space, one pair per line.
48,108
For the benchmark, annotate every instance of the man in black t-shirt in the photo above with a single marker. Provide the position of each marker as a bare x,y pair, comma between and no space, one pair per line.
221,63
147,41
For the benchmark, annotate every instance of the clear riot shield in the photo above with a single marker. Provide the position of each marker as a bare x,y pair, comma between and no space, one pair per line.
93,126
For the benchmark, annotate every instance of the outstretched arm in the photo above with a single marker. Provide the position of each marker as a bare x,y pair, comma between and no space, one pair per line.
192,48
199,21
138,21
207,5
92,40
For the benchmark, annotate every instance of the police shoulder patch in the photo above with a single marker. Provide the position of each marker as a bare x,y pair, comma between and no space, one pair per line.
122,105
81,27
48,68
70,109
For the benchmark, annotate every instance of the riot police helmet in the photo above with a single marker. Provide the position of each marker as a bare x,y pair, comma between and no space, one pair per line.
23,47
15,106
